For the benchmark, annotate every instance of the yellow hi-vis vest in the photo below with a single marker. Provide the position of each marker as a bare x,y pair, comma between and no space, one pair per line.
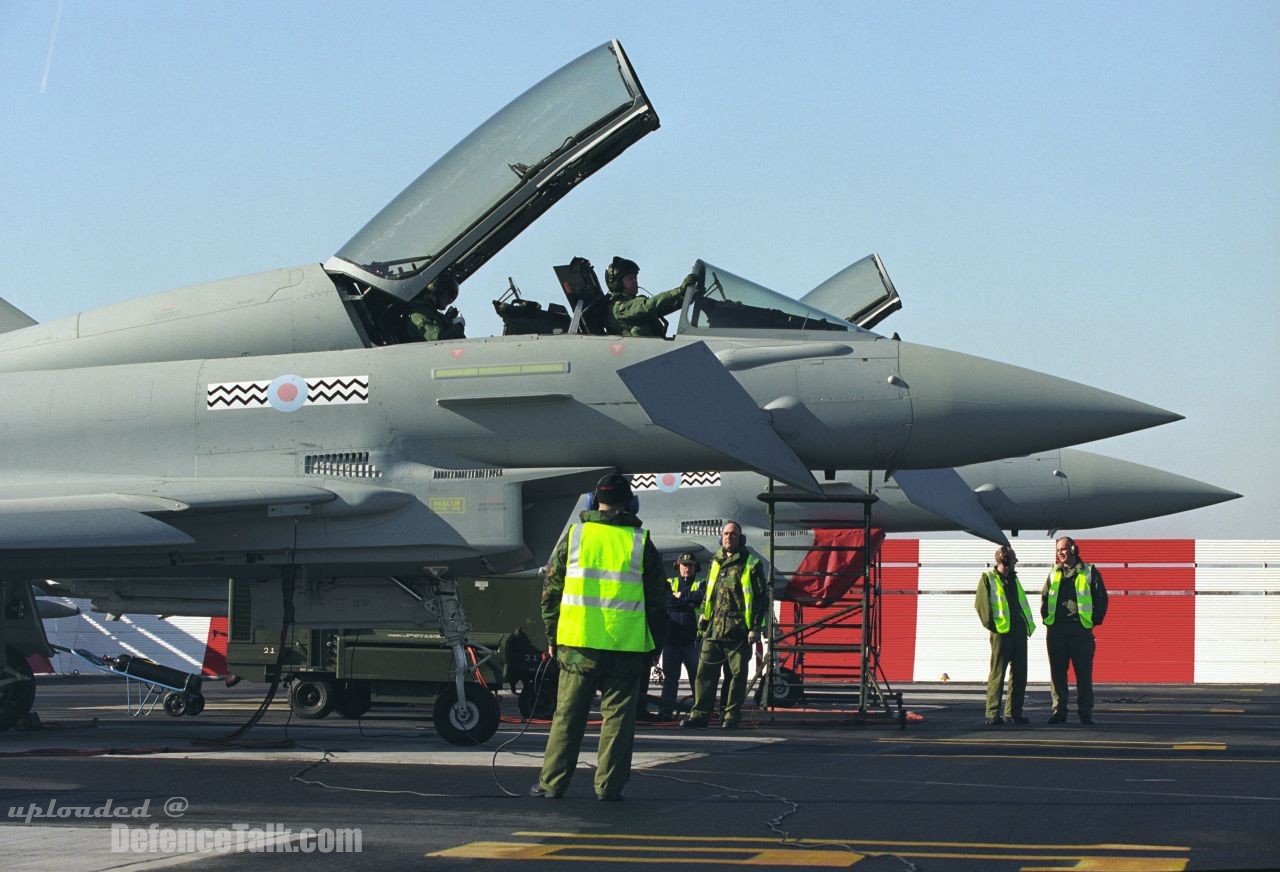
744,580
1084,596
603,601
1000,604
674,581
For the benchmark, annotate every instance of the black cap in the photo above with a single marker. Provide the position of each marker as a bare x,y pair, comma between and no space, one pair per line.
613,490
687,557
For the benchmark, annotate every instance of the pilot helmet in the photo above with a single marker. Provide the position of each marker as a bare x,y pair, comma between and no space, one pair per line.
618,268
443,289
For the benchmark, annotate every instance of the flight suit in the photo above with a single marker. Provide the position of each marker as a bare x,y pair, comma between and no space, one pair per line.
617,674
424,323
1005,613
640,316
729,618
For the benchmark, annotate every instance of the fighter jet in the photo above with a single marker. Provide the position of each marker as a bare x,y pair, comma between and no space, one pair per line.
1053,490
277,427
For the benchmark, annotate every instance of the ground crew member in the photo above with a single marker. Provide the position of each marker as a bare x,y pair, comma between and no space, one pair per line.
630,315
684,602
604,607
733,611
1003,609
1072,603
425,320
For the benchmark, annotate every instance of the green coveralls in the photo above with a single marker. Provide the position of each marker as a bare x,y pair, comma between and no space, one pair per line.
617,675
427,324
1008,650
724,643
639,316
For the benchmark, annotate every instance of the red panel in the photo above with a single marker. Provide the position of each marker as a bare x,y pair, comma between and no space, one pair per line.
1147,638
215,650
899,587
900,551
1137,550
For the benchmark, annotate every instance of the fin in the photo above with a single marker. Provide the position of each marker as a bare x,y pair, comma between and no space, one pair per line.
728,419
13,318
943,492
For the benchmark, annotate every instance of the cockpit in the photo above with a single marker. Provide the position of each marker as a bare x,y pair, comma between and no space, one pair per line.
718,302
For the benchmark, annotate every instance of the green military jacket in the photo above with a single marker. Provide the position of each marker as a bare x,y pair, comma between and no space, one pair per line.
728,607
655,604
639,316
427,324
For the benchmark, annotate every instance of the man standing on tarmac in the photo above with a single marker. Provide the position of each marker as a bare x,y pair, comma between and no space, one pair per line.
684,603
733,612
631,315
1003,609
604,607
1072,603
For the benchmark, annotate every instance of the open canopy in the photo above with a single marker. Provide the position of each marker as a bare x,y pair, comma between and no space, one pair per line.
507,172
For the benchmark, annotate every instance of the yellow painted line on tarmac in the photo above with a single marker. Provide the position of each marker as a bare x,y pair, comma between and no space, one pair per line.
1115,744
1226,711
764,840
1117,864
1068,758
810,853
596,853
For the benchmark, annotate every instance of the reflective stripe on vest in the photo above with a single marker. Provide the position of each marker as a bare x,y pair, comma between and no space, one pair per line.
603,601
674,581
1084,596
744,581
1000,604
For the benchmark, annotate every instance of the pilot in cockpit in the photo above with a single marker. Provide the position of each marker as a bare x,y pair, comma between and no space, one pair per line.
425,320
632,315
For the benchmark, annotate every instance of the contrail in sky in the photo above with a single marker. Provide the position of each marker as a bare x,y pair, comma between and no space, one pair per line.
44,80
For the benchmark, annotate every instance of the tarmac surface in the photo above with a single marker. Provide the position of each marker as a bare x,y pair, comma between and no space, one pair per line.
1170,777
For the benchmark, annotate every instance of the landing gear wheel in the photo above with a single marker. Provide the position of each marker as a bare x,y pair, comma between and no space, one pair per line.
195,705
786,689
311,698
354,701
472,723
539,707
17,698
175,703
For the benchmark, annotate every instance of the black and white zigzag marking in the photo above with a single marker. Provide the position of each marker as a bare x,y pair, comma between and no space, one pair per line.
338,390
237,395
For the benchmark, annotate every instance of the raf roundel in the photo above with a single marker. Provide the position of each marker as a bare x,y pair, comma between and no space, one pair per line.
669,482
287,393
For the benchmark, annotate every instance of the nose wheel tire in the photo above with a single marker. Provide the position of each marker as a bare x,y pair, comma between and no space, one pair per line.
473,722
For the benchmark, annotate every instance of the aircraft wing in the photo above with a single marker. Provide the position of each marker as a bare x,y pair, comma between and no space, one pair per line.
120,512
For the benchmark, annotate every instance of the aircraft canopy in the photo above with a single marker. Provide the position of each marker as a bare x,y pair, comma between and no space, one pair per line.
506,173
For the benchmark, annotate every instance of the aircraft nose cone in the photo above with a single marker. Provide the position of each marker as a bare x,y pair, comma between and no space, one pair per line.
977,409
1105,490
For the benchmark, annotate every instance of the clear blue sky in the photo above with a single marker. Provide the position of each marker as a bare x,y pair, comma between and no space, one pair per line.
1089,189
